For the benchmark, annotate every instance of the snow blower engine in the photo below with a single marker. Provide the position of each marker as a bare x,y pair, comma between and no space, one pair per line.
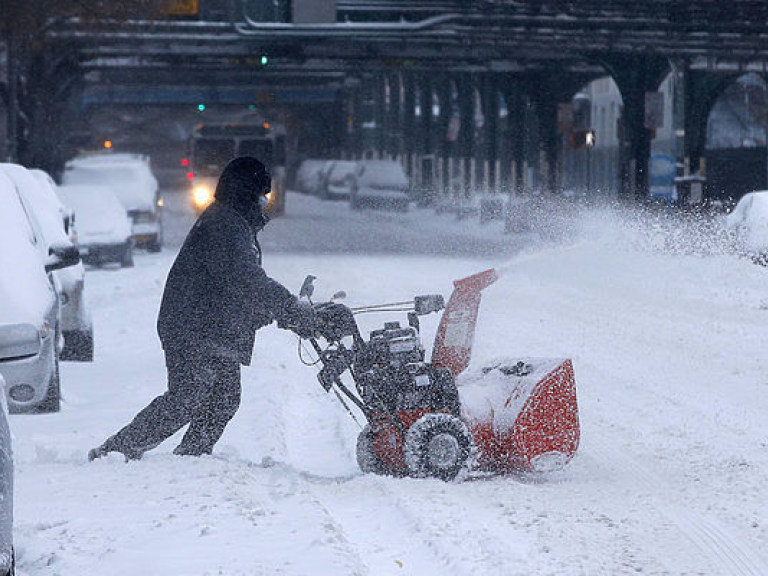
417,423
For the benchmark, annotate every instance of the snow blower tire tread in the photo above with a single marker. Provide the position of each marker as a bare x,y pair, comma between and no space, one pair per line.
438,446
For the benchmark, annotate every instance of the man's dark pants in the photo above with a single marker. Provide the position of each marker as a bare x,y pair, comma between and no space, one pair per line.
203,391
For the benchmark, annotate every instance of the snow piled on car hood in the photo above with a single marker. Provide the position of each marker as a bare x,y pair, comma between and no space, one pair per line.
100,217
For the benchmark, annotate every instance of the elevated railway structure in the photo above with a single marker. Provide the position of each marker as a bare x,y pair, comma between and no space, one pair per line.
427,78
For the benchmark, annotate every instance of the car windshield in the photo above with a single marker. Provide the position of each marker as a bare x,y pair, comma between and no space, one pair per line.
212,155
261,149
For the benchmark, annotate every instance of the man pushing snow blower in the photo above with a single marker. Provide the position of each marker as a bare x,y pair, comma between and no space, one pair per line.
216,297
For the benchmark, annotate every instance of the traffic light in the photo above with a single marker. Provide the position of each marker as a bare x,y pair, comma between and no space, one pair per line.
201,107
264,60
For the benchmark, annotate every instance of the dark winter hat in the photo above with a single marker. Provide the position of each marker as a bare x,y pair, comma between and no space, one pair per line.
243,180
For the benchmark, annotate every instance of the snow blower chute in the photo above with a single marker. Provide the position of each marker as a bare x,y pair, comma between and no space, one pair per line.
430,419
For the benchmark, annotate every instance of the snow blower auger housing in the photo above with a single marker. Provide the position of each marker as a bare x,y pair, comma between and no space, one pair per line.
515,415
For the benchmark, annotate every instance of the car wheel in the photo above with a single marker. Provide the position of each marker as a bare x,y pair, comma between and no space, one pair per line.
12,569
438,446
78,346
367,459
154,246
52,400
127,259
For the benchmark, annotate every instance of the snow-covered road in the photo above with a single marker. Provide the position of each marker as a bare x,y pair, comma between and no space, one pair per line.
670,353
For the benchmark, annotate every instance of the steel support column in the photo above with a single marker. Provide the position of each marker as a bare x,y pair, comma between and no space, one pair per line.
409,121
380,114
426,121
516,106
701,91
394,124
467,129
491,128
444,145
635,75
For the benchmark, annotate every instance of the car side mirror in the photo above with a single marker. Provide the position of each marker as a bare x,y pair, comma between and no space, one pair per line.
61,257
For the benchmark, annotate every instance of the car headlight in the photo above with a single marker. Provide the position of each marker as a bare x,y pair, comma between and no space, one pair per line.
202,196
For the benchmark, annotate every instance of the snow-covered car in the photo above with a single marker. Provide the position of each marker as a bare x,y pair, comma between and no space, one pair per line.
748,222
131,179
103,227
58,224
338,179
29,305
309,176
7,556
380,183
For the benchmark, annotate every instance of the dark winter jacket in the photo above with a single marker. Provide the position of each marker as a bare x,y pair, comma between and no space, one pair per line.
217,295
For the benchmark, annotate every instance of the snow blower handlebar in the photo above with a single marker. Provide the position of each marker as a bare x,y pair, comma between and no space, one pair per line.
422,305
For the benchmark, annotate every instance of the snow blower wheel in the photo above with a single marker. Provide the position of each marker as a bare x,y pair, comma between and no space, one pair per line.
367,459
437,445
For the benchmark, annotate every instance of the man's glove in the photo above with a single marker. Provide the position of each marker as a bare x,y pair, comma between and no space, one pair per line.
334,321
300,320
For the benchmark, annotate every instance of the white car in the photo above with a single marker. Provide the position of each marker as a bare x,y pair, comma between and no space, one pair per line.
380,183
131,179
309,176
748,222
58,224
103,228
338,180
29,305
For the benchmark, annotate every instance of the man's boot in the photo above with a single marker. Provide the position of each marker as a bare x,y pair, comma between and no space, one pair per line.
110,445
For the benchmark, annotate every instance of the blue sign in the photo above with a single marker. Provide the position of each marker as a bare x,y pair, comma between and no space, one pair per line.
662,170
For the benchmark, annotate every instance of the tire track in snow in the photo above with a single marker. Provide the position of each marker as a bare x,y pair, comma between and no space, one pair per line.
387,532
728,553
432,522
245,478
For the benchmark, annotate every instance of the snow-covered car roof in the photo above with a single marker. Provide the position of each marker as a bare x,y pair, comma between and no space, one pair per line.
342,168
750,218
105,158
129,176
381,173
25,292
46,199
101,218
43,200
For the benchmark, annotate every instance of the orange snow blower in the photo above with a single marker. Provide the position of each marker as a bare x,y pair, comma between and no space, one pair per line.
430,419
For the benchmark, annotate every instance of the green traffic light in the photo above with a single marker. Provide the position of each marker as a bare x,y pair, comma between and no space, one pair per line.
200,107
264,60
